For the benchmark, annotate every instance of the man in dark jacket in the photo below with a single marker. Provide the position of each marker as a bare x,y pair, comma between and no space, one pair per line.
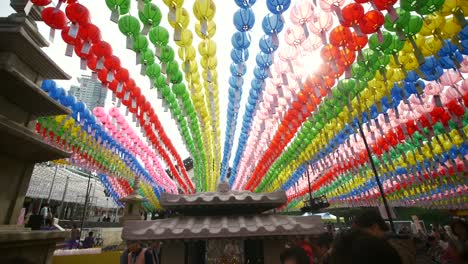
372,223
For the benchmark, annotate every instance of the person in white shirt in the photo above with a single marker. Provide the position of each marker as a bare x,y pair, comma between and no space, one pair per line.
44,213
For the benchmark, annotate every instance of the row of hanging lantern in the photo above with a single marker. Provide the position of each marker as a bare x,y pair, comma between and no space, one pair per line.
178,18
244,20
437,112
98,57
165,75
272,26
92,147
359,69
128,138
286,80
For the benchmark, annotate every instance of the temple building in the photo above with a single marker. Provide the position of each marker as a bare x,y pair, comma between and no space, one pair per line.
223,227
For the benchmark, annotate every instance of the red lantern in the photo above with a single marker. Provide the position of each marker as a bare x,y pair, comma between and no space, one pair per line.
102,75
387,5
356,43
346,58
66,37
54,18
91,62
41,2
112,63
77,13
89,33
352,14
122,75
455,108
113,85
339,36
371,22
101,49
329,53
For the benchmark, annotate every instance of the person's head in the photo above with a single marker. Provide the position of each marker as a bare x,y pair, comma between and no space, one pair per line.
74,226
133,246
46,205
323,244
358,247
90,234
294,255
371,222
460,229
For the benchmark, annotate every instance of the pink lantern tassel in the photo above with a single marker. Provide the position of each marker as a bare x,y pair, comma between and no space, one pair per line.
392,13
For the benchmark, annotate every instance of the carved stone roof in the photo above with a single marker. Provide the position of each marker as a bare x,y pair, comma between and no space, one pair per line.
222,227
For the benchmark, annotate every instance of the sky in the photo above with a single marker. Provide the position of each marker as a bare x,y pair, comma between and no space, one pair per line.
100,16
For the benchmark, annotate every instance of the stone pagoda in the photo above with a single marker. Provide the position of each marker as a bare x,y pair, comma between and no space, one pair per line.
23,66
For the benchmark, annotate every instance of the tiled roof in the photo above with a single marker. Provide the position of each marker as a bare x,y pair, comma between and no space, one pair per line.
212,227
225,199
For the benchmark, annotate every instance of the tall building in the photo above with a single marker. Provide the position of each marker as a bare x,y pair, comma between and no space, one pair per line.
89,92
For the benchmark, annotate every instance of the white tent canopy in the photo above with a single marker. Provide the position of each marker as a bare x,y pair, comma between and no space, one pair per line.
41,181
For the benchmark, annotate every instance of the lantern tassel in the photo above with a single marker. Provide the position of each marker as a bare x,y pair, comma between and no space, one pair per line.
51,35
100,64
114,97
380,36
338,13
306,30
323,36
146,29
83,64
86,47
69,50
129,44
138,58
177,33
115,16
110,76
73,32
204,27
143,70
392,13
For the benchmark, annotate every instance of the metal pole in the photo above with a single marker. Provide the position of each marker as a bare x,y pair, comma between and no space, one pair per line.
85,205
59,213
377,179
308,180
52,185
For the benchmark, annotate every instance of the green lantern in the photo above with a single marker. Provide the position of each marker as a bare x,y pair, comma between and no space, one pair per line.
159,36
140,43
150,16
118,7
153,71
430,6
178,89
130,27
377,45
147,57
166,55
160,82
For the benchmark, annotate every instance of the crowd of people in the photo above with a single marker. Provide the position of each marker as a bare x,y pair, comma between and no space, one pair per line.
369,241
